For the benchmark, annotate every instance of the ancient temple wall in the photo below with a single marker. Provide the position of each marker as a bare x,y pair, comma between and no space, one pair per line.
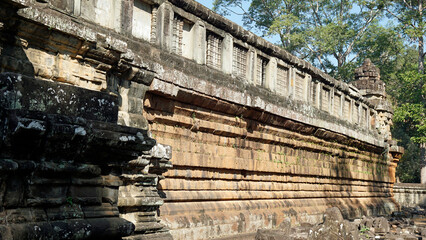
257,134
410,194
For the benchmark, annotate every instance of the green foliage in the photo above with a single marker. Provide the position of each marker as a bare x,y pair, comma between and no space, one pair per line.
408,90
409,166
412,115
411,19
323,32
364,229
69,201
410,112
410,16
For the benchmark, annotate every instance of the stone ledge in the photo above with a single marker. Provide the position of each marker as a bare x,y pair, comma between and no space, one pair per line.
188,92
21,92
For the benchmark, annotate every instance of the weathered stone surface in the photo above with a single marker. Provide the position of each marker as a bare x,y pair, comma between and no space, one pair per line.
48,192
335,227
410,195
268,234
248,151
107,228
21,92
381,225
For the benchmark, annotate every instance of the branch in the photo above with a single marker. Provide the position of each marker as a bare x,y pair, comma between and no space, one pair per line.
236,13
315,12
360,33
409,4
356,56
241,14
399,19
319,59
268,10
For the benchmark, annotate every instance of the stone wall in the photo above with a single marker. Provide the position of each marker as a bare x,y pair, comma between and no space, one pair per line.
257,134
62,157
410,194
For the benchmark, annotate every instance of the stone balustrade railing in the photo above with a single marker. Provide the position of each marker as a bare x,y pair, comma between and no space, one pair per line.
410,194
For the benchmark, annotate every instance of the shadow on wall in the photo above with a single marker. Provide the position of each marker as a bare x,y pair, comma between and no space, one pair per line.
12,55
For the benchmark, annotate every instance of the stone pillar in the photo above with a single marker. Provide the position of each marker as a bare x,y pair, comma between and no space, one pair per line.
164,32
271,74
292,78
126,17
331,105
308,81
77,7
342,104
318,95
139,199
227,50
395,154
423,175
251,65
132,86
199,42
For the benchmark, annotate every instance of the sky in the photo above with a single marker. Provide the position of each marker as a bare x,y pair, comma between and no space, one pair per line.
233,17
237,18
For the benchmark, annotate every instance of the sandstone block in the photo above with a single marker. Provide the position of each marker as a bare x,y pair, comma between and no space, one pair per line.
268,234
15,191
67,211
381,225
110,195
85,194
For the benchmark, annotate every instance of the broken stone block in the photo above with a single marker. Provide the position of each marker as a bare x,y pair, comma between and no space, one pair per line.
270,234
334,227
381,225
332,215
285,225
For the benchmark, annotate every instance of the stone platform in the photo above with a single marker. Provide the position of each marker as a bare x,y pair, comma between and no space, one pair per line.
257,134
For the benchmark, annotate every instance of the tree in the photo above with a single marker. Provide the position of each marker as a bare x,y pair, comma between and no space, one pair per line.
325,32
409,14
410,115
407,89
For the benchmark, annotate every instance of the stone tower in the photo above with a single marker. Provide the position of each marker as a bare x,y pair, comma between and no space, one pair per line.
367,80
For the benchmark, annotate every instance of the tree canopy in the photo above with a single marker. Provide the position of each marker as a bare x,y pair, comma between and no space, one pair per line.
328,33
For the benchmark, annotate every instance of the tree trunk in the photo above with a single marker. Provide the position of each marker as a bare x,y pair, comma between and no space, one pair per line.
421,56
421,46
423,163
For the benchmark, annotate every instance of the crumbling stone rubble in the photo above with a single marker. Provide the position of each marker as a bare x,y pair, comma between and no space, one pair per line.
407,224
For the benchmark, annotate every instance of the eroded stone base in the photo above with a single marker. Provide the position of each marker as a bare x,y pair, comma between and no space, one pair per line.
202,220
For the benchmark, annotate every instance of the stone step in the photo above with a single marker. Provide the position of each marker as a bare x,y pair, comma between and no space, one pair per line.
148,226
